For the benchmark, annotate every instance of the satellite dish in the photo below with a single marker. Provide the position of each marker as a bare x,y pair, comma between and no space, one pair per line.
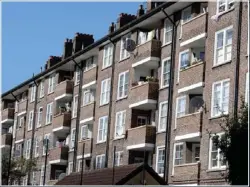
61,176
197,102
129,45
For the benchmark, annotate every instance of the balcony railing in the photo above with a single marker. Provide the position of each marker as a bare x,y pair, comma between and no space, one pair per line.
185,172
59,154
61,120
6,139
64,88
8,114
88,146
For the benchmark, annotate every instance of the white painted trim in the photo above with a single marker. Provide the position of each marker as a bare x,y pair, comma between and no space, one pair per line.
156,163
106,126
191,87
7,120
146,101
143,145
5,146
159,121
179,63
86,120
61,128
191,40
85,156
19,141
162,68
145,60
88,84
62,96
164,33
176,107
22,113
58,161
116,116
187,136
179,143
120,74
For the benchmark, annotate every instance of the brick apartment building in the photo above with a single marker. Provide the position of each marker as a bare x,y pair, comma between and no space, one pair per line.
188,63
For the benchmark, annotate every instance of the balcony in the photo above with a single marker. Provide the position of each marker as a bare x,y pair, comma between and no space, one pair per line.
87,149
141,138
194,30
147,54
64,91
144,95
61,123
89,75
22,105
7,117
6,140
185,172
59,155
87,112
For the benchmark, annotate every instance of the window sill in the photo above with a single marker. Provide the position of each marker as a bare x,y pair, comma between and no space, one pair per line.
104,68
216,169
85,71
50,93
164,87
219,14
126,58
75,85
160,132
71,150
29,130
32,101
119,138
92,102
41,97
104,105
121,98
73,118
48,124
166,44
221,64
217,117
84,140
102,142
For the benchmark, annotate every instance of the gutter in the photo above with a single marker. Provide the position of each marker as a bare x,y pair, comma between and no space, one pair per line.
97,43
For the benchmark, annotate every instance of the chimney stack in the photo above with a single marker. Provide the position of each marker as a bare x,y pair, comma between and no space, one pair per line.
124,19
81,41
68,48
140,11
52,61
111,28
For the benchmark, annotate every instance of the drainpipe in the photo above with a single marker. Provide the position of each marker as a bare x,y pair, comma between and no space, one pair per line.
83,149
33,128
78,113
110,104
237,64
113,173
170,99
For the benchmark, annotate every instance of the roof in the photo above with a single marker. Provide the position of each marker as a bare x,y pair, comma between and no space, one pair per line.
105,176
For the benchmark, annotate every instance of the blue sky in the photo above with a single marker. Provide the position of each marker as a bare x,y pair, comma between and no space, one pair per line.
31,32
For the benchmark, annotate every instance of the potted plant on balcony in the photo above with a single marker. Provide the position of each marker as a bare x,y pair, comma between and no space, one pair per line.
151,79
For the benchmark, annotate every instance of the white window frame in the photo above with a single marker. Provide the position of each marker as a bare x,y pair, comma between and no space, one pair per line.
51,84
194,145
42,174
37,141
121,123
168,28
142,37
177,103
118,158
105,91
79,165
39,117
227,2
70,168
157,159
88,132
21,122
30,122
179,64
102,137
222,82
247,88
224,31
41,94
124,54
77,75
102,160
124,86
72,139
19,148
46,136
182,14
28,149
49,113
34,178
75,105
160,117
107,55
177,144
90,97
33,93
167,61
219,166
90,63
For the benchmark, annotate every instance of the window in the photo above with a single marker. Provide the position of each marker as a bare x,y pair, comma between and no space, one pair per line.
181,106
77,75
21,122
49,113
118,158
123,85
217,160
105,92
142,120
28,148
89,64
75,103
88,97
196,152
14,128
37,141
165,72
16,106
223,5
223,45
100,161
39,117
70,167
79,165
186,15
184,59
163,113
124,53
52,83
160,160
33,93
220,98
34,183
120,123
85,134
46,140
18,150
72,139
31,116
247,88
102,129
42,175
41,89
168,31
107,55
142,37
178,156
